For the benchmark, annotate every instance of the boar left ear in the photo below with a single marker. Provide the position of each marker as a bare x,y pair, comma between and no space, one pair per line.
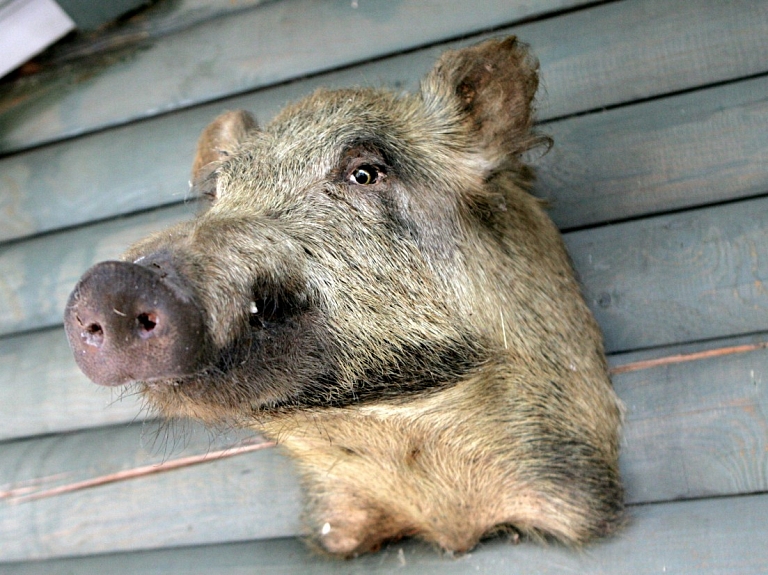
491,86
221,138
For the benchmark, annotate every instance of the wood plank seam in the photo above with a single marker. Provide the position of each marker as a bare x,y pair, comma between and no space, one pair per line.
652,98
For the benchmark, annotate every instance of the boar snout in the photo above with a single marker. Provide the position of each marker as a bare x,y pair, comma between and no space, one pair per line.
128,322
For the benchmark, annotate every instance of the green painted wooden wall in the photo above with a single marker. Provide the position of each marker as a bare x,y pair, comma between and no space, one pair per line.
658,179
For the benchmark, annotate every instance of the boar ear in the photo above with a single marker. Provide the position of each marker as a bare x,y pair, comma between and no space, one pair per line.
491,85
221,138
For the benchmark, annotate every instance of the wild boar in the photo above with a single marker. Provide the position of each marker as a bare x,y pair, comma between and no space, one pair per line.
373,286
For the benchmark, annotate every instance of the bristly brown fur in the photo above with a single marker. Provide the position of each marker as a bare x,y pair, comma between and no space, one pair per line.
384,298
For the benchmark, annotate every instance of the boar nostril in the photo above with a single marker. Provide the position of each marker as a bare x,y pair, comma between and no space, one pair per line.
93,335
147,323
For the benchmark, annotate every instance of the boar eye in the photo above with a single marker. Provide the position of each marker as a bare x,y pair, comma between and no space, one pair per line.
365,175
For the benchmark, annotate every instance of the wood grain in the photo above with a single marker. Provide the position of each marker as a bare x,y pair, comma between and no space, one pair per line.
696,429
274,42
228,499
690,150
682,277
693,429
719,537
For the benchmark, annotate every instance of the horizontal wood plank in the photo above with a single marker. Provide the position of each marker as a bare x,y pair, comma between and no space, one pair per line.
272,43
718,537
676,278
43,391
698,427
252,495
693,429
627,162
36,276
690,150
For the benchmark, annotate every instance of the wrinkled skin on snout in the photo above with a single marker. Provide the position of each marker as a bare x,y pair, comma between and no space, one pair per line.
372,286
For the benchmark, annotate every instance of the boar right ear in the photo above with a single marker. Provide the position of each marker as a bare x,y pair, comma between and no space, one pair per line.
491,86
221,138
